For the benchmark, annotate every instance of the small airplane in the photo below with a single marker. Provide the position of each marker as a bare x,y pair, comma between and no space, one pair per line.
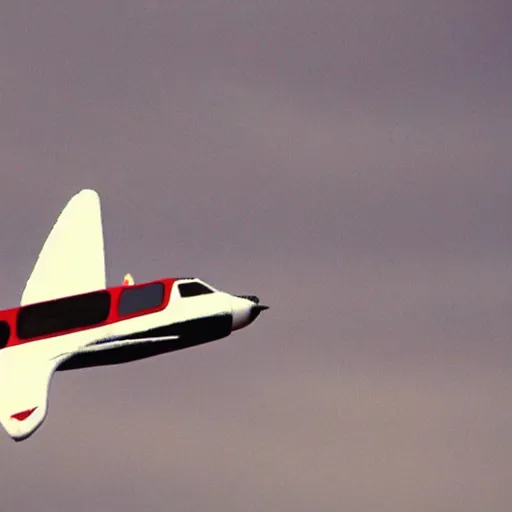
69,319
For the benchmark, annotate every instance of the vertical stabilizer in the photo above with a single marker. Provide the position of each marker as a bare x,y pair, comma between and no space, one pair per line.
72,260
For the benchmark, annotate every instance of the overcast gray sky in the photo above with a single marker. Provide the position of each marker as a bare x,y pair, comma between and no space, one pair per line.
347,161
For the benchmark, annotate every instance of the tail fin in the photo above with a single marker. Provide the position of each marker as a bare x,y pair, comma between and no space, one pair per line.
72,260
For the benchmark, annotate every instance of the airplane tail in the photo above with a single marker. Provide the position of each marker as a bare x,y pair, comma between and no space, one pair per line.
72,260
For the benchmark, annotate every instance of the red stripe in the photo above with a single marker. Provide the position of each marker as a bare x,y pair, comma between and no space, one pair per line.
11,315
23,415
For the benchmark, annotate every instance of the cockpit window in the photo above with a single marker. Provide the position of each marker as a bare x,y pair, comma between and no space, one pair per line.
193,289
5,332
135,299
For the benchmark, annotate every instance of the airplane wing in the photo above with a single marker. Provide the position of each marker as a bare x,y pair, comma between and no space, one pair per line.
27,371
72,260
24,395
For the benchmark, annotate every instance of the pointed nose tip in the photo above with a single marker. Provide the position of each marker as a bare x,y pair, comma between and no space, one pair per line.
255,312
245,309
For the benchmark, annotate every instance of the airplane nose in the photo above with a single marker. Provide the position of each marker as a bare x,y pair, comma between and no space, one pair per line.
245,308
255,311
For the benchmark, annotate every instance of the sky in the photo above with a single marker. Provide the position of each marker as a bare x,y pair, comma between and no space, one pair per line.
346,161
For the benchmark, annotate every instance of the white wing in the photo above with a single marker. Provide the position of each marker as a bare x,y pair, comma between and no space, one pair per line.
26,374
72,260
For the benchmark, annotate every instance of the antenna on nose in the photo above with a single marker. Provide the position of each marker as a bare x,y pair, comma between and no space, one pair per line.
255,311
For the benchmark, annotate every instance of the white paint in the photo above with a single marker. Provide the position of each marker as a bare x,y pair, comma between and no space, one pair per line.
72,260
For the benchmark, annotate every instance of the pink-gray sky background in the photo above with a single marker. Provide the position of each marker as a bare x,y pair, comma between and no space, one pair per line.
347,161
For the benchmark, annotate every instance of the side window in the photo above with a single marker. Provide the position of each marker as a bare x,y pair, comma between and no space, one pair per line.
193,289
63,314
5,333
135,299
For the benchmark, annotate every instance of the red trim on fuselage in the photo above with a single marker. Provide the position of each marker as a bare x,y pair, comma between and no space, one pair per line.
11,315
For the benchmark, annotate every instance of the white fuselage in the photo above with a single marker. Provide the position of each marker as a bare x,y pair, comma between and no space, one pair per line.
182,323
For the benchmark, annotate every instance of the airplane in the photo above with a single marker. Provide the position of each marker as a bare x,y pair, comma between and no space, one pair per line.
69,319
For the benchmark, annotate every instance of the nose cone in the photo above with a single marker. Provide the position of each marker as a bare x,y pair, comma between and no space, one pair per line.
246,309
255,312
